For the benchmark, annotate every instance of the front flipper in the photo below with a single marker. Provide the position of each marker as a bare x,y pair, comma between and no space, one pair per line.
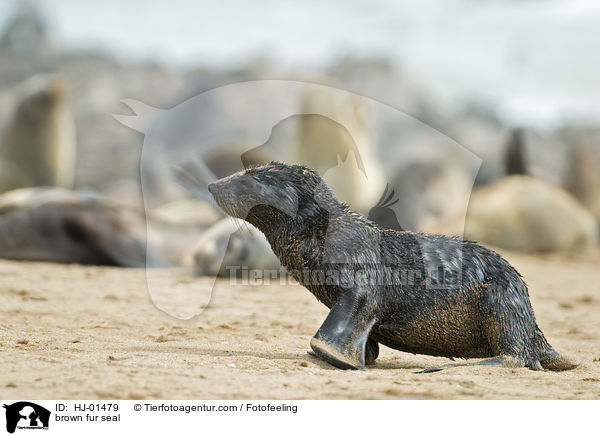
342,339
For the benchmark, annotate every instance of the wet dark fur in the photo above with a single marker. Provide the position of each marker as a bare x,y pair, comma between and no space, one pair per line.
485,312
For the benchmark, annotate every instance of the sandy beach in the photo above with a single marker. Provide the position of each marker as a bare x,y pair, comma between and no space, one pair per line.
69,331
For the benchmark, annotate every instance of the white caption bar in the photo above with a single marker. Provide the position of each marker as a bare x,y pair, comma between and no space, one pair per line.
294,417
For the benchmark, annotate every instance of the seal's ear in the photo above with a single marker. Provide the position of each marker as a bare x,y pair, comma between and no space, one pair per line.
143,118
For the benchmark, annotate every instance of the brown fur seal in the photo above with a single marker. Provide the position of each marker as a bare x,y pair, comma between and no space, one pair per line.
478,305
38,144
58,225
522,213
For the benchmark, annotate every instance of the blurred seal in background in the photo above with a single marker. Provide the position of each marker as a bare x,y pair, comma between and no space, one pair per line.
37,146
59,225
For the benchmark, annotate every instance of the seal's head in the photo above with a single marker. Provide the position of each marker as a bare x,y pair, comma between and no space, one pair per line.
261,195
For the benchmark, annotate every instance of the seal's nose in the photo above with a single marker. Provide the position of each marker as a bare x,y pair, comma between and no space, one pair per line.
211,188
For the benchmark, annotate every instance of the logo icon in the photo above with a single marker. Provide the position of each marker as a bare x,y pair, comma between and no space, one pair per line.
26,415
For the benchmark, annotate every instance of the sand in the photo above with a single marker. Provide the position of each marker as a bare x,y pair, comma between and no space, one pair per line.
73,332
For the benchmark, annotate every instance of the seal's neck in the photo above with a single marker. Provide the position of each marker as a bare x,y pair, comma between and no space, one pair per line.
293,239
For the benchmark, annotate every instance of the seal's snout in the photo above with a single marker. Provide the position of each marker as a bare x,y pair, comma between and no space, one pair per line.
218,188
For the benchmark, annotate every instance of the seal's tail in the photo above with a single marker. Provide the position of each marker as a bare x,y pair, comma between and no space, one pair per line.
549,358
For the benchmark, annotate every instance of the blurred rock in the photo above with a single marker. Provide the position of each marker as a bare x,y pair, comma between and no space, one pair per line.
231,243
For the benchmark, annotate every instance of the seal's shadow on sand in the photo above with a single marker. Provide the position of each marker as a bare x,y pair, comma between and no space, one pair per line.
299,356
213,352
376,365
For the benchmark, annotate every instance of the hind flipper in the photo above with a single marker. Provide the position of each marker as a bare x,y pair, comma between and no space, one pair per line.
342,339
509,326
548,357
557,362
553,362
